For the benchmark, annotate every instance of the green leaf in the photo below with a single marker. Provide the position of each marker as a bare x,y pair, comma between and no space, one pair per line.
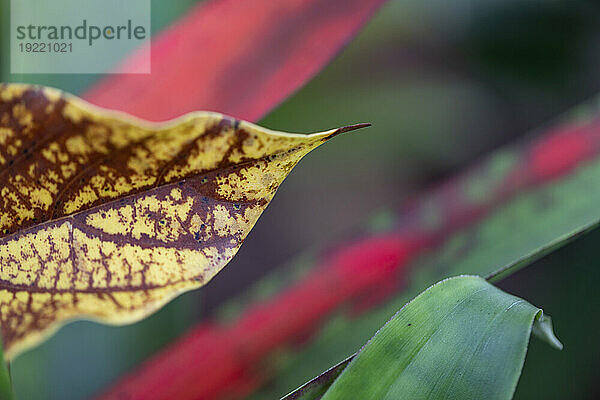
460,339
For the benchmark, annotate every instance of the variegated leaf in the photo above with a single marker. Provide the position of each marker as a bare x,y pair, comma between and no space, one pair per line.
107,217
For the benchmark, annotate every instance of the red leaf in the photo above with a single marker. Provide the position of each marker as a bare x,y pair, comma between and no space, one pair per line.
240,58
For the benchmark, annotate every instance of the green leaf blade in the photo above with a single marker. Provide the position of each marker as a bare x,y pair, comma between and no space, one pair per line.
460,339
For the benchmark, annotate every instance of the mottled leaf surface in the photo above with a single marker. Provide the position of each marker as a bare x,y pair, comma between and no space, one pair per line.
107,217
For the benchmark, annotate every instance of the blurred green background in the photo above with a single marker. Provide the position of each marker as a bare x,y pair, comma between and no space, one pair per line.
443,83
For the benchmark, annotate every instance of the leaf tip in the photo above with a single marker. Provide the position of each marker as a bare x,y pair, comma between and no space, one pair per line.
542,328
345,129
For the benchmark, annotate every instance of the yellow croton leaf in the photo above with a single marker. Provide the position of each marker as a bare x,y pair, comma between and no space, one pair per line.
107,217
